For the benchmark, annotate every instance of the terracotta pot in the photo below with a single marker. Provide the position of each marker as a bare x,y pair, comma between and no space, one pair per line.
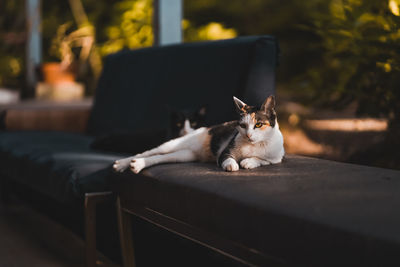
54,73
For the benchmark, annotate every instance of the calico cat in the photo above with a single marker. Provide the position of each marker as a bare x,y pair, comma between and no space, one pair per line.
252,141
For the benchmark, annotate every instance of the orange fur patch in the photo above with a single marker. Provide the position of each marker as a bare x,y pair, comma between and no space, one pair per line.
206,153
267,124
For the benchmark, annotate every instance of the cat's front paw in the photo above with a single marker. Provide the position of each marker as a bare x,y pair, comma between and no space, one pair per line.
137,165
230,165
250,163
121,165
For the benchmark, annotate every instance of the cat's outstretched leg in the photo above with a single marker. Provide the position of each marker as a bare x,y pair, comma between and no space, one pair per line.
122,164
138,164
190,141
180,143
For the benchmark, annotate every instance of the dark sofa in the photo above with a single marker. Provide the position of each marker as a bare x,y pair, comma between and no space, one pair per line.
133,95
303,212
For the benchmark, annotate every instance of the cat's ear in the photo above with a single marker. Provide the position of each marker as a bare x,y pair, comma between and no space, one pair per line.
269,104
202,111
240,105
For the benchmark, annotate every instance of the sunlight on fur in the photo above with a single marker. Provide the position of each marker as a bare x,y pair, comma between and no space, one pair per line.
252,141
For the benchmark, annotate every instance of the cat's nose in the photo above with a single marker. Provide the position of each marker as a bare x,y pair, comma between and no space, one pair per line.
248,135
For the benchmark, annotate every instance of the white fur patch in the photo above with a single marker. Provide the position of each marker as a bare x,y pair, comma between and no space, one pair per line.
186,128
267,148
184,155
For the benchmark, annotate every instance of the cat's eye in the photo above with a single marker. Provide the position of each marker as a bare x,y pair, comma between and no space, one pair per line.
242,125
179,124
194,124
258,125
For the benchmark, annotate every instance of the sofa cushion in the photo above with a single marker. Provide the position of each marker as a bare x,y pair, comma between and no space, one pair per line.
305,211
129,142
60,165
137,87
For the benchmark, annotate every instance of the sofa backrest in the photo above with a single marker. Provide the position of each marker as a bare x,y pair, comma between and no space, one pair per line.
137,87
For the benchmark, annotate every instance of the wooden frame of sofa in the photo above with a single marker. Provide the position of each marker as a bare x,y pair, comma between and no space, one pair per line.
127,208
91,201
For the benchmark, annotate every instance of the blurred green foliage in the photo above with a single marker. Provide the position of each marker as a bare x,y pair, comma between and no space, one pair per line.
334,52
210,31
130,27
360,60
12,39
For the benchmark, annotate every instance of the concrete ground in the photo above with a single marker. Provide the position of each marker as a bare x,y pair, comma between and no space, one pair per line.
28,238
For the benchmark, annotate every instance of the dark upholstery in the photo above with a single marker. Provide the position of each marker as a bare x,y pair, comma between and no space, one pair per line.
137,87
305,211
59,165
133,95
135,91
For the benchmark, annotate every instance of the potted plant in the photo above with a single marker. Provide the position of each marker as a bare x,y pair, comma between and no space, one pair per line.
70,48
73,49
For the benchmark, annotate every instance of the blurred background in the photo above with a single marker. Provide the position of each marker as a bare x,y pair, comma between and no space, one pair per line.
337,83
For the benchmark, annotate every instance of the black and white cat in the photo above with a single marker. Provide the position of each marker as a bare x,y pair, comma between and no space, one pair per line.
252,141
183,122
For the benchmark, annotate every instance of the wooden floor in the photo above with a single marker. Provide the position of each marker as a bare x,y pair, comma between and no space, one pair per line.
28,238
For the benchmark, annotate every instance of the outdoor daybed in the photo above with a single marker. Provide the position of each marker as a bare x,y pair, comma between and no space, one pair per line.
303,212
133,96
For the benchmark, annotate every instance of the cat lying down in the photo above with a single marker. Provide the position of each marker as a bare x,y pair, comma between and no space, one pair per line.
252,141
